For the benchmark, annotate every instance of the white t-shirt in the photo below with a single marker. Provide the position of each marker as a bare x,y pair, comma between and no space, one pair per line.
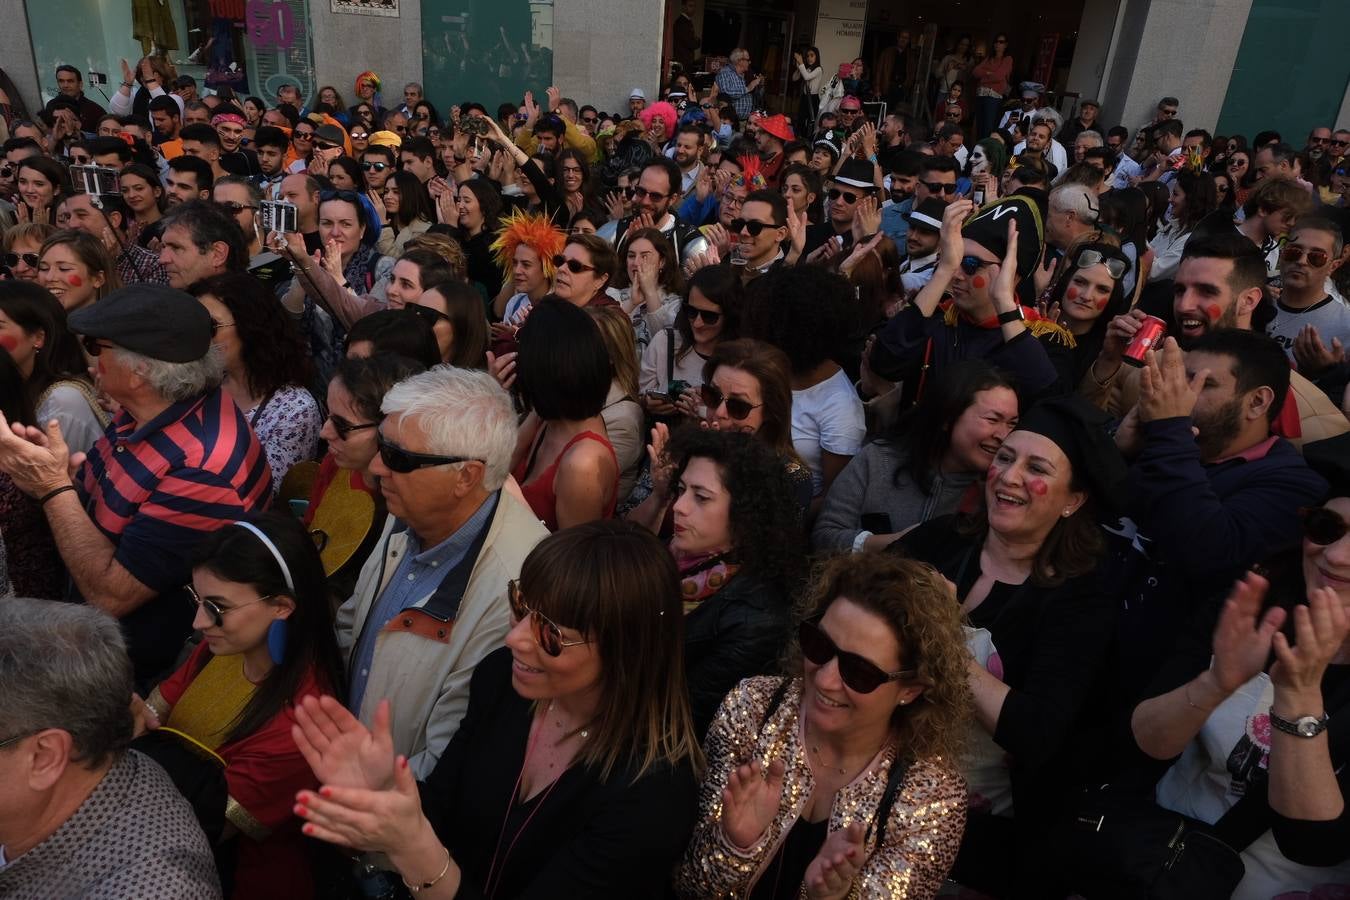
826,417
1329,316
652,373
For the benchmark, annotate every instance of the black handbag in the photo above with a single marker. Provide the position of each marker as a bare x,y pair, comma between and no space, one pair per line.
1123,846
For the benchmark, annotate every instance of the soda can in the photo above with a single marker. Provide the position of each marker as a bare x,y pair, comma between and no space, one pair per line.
1151,332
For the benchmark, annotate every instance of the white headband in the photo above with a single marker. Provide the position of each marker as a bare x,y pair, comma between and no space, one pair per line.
276,554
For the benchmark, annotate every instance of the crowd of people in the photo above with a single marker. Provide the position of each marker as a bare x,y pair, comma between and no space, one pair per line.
681,501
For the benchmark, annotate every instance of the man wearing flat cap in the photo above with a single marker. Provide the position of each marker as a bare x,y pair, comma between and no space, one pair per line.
177,462
977,304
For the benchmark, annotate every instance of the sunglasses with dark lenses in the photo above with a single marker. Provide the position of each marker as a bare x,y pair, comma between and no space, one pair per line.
6,171
374,166
234,206
972,264
859,675
92,346
358,135
29,259
835,194
737,408
345,428
303,135
325,145
1294,253
351,197
575,266
214,609
708,316
427,314
546,633
404,461
1323,526
750,225
937,187
643,194
1116,268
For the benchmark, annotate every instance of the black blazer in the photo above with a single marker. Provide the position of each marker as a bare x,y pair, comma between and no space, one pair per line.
587,838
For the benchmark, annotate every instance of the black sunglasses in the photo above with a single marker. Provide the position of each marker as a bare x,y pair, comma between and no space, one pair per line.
972,264
345,428
750,225
374,166
405,461
1323,526
427,314
737,408
29,259
92,346
937,187
835,194
303,135
859,674
575,266
234,206
546,633
642,193
708,316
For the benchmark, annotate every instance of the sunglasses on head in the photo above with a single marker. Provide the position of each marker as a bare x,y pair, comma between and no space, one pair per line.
1294,253
214,609
835,194
546,633
1114,267
404,461
1323,526
738,408
972,264
708,316
374,166
345,428
351,197
755,228
937,187
29,259
575,266
859,674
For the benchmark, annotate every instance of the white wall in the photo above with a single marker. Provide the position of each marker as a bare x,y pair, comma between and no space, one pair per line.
346,45
602,49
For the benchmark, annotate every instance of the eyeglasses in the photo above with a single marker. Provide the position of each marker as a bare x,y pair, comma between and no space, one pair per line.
29,259
546,633
214,609
1294,253
374,166
1114,267
1323,526
835,194
643,194
92,346
575,266
1319,141
708,316
859,674
589,120
937,187
404,461
345,428
1336,143
427,314
235,207
737,408
571,170
750,225
14,740
216,326
972,264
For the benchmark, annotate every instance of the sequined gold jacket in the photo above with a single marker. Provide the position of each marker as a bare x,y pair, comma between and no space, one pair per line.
921,836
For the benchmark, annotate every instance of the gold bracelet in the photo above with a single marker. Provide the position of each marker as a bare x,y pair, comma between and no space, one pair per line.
418,888
1186,693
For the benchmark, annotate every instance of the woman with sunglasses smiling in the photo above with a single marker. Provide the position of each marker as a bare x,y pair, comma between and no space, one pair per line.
577,746
1262,687
266,368
709,315
1090,293
837,779
1025,574
23,246
267,640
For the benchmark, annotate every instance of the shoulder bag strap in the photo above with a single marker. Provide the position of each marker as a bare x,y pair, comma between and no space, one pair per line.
670,355
893,781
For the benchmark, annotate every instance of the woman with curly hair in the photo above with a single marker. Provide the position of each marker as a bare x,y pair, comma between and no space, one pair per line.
1025,576
265,368
738,547
839,777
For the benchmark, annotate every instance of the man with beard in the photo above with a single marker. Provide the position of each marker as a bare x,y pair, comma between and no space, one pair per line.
1219,284
921,245
687,155
1213,490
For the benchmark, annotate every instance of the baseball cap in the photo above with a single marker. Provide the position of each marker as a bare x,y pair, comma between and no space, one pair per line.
153,320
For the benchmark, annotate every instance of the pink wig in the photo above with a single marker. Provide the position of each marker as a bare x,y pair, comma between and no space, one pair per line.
665,111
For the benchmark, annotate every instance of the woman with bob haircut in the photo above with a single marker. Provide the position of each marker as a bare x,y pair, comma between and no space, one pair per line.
455,312
839,778
564,463
577,780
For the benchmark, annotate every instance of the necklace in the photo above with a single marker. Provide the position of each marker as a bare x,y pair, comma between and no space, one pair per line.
815,748
582,732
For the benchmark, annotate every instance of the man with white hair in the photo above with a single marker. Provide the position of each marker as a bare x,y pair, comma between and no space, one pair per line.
178,461
732,86
1071,214
431,600
80,814
1085,141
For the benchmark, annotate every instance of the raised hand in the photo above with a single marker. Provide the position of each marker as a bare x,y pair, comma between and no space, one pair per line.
1314,357
1242,639
831,873
1004,288
127,73
339,749
1320,628
381,819
797,222
751,801
503,368
952,245
1164,390
866,218
332,260
663,467
718,237
378,202
38,461
1119,332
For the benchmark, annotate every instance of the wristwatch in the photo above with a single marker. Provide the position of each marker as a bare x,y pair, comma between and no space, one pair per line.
1303,726
1013,315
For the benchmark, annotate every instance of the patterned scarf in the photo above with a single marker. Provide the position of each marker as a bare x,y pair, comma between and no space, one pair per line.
702,575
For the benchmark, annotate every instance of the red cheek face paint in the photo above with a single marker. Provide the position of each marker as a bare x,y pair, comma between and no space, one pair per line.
1101,304
9,342
991,473
1214,312
1071,293
1038,487
75,281
978,282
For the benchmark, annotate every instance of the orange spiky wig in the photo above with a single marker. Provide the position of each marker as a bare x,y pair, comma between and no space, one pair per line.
751,176
534,231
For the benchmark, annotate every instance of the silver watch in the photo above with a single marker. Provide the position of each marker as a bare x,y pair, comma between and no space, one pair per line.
1303,726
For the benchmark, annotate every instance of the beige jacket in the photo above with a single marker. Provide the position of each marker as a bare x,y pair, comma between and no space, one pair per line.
422,665
1318,417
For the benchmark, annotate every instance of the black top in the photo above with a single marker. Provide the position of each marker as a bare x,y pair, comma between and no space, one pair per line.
584,838
782,880
481,267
